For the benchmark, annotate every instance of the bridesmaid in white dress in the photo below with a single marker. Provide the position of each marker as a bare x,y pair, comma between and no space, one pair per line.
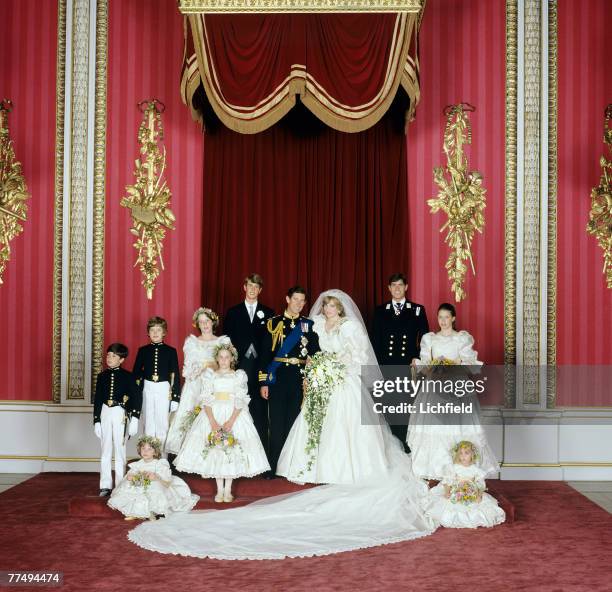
199,355
164,494
225,406
431,438
349,451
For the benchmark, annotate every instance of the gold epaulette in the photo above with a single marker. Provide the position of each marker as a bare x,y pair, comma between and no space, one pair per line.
263,376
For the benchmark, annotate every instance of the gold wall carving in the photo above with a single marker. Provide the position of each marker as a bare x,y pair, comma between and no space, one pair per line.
531,203
148,198
58,235
78,201
461,197
600,216
510,204
551,319
14,193
99,187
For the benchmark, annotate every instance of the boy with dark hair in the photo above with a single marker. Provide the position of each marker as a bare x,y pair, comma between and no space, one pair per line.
116,399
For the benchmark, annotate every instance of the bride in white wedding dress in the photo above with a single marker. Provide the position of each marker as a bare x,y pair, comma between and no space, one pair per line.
349,450
382,502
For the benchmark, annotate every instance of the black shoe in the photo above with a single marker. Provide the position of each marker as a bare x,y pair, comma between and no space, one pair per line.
104,493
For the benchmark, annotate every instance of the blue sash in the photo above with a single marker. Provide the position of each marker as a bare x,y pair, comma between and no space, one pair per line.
288,344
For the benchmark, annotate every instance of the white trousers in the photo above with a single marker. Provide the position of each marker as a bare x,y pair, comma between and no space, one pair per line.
156,403
112,441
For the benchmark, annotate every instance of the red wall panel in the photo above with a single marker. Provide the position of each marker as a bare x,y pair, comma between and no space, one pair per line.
145,48
28,50
462,58
584,304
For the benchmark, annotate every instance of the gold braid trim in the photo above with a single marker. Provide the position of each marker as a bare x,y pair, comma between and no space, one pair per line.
277,334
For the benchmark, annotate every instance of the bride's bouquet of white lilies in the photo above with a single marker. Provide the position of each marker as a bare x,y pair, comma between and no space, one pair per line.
322,374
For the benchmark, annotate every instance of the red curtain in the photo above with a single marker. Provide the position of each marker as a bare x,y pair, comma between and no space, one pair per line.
303,203
346,68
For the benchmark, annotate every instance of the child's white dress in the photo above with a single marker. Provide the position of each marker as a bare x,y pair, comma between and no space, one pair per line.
199,355
156,498
432,436
458,515
223,393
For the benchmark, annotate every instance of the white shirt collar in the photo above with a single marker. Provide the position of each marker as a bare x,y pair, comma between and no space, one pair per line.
402,302
249,304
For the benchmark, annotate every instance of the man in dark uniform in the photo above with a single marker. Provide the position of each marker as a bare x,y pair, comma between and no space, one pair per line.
117,400
157,373
245,324
288,341
396,335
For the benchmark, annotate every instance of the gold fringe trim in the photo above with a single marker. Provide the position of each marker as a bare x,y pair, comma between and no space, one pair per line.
402,69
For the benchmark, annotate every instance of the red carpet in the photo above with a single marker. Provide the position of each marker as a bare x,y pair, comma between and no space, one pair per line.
560,541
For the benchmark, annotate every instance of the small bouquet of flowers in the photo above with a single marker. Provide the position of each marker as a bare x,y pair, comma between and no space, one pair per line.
465,492
323,372
140,479
220,440
443,362
189,418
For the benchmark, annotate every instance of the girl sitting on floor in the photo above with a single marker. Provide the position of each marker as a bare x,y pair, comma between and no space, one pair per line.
459,500
149,489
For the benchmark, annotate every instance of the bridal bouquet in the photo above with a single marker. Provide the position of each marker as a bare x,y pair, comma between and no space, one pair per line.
465,492
190,418
140,479
220,440
322,374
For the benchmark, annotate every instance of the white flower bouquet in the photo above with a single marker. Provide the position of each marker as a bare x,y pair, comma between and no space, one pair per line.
322,373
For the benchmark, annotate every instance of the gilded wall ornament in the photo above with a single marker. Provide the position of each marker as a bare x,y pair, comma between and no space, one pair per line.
13,191
461,197
600,216
149,197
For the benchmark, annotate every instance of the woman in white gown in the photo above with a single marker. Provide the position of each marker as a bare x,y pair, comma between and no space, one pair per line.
384,507
199,355
432,436
349,451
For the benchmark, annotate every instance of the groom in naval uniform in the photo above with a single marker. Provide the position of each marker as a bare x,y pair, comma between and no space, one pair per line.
245,324
288,341
396,334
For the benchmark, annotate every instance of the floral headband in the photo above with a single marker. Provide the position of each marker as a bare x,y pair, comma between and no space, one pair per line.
465,444
227,347
152,441
211,314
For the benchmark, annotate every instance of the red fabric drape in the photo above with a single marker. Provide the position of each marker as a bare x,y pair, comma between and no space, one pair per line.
302,203
346,68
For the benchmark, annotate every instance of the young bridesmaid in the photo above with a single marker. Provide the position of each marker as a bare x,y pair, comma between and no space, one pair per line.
149,489
459,500
223,442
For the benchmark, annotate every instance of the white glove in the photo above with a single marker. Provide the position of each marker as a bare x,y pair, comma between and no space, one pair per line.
98,429
133,427
173,406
